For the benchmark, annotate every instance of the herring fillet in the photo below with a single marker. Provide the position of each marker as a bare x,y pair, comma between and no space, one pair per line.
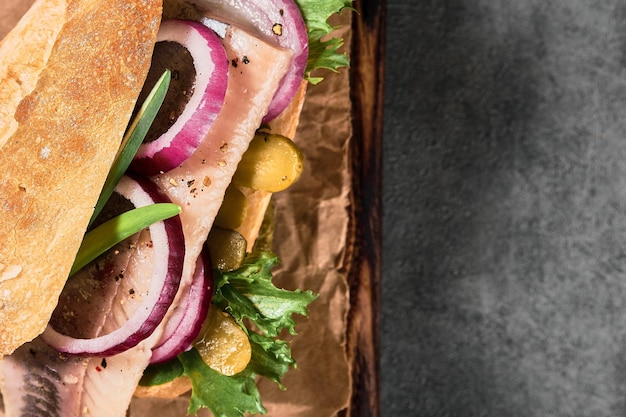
199,183
198,186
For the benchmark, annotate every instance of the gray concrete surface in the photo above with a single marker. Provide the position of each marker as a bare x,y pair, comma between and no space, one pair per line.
504,280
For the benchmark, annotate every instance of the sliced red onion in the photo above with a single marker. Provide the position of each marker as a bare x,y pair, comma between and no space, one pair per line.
277,21
168,245
211,66
184,325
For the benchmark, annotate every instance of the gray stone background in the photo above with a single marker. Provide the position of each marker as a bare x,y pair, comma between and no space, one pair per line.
504,263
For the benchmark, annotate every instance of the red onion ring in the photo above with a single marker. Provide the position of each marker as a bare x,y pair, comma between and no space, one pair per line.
168,245
185,323
183,137
277,21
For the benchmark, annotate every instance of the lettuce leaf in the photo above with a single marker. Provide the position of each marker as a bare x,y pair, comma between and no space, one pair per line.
251,298
224,396
233,396
323,48
271,358
248,293
162,373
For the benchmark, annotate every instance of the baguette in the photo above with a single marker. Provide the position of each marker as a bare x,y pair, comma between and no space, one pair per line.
56,151
19,72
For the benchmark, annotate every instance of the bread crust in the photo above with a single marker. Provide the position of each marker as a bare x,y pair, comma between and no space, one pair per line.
19,72
66,132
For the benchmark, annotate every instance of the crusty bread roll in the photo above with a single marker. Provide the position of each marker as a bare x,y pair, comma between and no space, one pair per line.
19,72
67,91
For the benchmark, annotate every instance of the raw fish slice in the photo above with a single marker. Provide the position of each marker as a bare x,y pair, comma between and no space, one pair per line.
198,184
37,378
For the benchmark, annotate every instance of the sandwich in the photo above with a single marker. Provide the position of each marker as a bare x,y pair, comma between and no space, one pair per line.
88,78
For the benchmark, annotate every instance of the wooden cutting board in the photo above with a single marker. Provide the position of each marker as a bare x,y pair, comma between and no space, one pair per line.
367,76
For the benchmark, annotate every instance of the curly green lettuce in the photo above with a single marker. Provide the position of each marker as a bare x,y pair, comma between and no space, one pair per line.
323,47
251,298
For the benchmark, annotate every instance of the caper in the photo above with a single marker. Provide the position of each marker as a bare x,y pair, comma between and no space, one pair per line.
222,344
233,210
227,248
271,163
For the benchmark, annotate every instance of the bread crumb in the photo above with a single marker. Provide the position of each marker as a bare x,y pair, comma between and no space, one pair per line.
44,153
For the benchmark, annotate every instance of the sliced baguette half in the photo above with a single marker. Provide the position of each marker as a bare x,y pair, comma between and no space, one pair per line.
65,117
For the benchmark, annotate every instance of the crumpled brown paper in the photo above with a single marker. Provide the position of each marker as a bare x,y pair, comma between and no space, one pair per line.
311,228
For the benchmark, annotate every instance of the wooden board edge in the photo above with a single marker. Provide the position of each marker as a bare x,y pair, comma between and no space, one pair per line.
364,276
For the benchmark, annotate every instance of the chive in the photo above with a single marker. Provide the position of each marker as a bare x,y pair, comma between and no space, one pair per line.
108,234
133,138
